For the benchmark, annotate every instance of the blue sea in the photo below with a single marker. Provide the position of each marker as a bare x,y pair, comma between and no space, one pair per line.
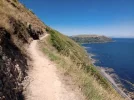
118,55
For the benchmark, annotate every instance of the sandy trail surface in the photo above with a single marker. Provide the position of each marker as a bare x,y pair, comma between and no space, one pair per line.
45,83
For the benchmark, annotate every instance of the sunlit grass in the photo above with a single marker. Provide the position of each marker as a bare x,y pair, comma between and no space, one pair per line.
73,61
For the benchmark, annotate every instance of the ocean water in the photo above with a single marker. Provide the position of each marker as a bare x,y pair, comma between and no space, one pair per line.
118,55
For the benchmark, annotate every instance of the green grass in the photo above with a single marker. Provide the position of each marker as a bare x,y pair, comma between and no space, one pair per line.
50,55
15,0
73,61
69,48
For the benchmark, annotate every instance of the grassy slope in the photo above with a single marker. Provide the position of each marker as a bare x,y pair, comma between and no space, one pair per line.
73,61
15,18
14,38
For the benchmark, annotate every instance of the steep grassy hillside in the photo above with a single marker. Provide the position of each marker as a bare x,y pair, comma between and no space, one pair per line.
73,61
18,27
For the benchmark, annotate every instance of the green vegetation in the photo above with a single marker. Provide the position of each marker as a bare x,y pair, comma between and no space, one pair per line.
91,39
51,55
15,0
73,61
77,54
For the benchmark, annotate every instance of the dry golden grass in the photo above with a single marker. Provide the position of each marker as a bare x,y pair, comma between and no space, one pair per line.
90,87
18,12
13,13
12,9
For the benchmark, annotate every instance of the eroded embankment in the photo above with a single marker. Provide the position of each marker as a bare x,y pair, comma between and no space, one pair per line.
13,58
13,65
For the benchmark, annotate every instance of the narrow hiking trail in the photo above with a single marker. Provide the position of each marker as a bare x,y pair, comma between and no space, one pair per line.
45,83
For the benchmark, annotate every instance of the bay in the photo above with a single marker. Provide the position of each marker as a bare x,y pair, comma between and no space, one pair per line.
118,55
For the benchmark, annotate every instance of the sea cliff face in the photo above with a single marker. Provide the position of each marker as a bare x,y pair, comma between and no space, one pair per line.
91,39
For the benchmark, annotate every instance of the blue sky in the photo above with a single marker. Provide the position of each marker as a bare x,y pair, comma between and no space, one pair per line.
71,17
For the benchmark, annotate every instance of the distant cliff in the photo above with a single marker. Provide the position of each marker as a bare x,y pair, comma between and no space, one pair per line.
91,39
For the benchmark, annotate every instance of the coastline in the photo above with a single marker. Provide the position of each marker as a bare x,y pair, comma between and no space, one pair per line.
98,42
114,84
110,79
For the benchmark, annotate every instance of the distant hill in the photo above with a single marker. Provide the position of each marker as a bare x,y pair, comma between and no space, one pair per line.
91,39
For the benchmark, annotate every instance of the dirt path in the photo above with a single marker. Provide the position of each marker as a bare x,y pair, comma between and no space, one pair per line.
45,83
